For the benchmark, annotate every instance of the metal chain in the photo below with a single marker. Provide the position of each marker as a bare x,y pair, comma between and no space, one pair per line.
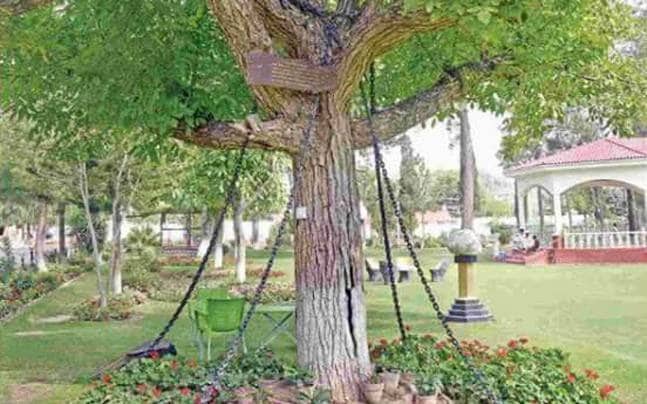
382,174
385,229
208,389
432,298
229,200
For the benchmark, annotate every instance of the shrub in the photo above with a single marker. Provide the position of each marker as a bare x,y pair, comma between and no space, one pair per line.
273,293
142,240
504,231
519,374
7,260
120,307
177,380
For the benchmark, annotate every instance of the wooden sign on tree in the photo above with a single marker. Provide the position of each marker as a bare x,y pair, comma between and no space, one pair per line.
266,69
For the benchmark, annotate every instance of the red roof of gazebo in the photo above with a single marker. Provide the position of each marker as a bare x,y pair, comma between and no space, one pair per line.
608,149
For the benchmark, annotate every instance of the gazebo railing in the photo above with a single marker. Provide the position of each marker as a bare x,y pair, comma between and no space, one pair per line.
615,239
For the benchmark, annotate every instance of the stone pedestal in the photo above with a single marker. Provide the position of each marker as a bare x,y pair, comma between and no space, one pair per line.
467,308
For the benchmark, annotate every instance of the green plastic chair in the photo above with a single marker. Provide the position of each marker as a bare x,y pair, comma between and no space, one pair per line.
213,313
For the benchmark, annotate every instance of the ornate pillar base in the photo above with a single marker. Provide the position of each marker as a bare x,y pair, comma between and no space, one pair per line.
468,310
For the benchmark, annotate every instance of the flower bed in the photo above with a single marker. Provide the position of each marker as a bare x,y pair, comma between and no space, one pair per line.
519,373
176,380
120,307
23,287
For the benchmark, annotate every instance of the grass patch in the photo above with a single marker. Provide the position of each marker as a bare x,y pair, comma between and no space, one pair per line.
598,313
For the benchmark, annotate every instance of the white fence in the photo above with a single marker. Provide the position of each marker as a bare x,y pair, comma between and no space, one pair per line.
617,239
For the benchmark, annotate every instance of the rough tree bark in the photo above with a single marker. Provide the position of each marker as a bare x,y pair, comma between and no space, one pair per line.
41,235
331,316
62,248
96,255
468,171
240,242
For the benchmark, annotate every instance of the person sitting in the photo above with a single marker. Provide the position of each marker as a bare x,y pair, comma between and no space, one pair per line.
527,242
535,244
517,241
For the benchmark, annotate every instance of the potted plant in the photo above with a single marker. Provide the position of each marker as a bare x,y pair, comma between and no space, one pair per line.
373,389
429,392
391,380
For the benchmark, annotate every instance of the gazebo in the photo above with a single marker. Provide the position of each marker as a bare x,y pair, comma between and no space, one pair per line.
617,162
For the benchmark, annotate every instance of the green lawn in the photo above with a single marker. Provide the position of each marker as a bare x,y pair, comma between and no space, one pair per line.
598,313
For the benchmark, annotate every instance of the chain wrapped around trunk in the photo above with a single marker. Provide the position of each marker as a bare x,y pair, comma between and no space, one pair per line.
382,174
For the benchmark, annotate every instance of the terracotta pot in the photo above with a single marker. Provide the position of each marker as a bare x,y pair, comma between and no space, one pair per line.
427,399
391,381
373,392
407,398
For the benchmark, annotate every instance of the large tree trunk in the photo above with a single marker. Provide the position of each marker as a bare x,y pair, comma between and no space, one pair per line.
240,242
468,171
62,248
96,255
331,316
41,235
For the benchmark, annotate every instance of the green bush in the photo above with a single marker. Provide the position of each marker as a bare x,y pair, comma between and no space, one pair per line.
274,292
176,380
504,231
143,240
519,374
120,307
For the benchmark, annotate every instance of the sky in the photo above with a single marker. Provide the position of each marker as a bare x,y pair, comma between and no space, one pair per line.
433,144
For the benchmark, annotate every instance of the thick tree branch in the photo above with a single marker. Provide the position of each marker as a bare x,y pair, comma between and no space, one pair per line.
278,134
406,114
396,119
244,26
376,32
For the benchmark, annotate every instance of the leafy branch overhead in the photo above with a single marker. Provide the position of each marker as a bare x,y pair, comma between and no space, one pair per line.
168,62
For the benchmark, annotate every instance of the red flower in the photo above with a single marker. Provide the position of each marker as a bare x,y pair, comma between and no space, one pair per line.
214,392
407,327
141,388
154,355
383,341
197,399
106,378
570,377
606,390
192,363
440,344
512,344
591,374
156,392
502,352
185,391
174,364
524,340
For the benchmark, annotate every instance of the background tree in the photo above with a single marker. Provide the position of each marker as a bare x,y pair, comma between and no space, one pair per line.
415,192
507,58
